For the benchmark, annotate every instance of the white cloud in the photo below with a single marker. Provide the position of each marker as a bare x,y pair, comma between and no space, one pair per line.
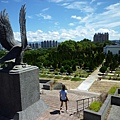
76,5
114,35
92,1
79,33
82,6
71,24
76,17
99,3
5,1
107,19
17,36
56,1
45,9
88,25
18,0
30,17
56,23
47,17
65,4
113,6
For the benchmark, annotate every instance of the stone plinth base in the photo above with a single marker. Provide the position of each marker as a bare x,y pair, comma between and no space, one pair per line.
32,112
19,90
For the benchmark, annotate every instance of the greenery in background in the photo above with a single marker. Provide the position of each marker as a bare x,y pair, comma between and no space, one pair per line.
43,75
76,79
103,69
68,55
111,62
50,76
66,78
95,106
2,53
113,89
57,77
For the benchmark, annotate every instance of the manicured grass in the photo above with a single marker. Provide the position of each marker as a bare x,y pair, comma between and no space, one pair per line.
66,78
95,106
113,89
83,75
58,77
50,76
43,75
76,79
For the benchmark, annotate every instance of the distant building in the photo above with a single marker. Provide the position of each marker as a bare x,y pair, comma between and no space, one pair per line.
101,37
34,45
115,49
49,44
115,41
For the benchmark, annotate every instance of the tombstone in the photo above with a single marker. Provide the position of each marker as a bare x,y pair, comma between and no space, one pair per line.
19,82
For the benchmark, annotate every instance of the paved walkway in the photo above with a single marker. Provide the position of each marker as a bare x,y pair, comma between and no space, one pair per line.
51,98
86,84
114,113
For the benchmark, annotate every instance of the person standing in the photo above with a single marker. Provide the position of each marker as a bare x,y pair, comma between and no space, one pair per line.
63,97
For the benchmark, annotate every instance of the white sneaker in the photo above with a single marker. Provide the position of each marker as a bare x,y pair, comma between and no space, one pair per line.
67,111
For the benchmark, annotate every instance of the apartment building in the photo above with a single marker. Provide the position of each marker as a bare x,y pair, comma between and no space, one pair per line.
49,44
101,37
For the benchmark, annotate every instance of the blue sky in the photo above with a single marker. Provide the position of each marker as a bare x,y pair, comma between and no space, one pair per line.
65,19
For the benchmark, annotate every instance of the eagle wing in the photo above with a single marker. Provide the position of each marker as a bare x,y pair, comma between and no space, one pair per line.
6,33
22,21
12,54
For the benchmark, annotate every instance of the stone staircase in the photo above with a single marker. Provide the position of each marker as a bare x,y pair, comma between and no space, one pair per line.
51,98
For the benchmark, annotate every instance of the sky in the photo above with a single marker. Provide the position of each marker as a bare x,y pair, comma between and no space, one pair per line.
65,19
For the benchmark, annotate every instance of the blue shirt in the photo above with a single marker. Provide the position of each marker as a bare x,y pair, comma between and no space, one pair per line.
63,94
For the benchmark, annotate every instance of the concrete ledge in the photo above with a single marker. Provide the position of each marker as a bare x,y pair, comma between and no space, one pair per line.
91,115
100,115
46,86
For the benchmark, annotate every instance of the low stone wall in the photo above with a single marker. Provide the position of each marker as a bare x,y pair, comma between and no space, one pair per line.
110,100
47,85
115,99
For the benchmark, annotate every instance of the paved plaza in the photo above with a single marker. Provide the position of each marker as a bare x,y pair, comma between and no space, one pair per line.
51,98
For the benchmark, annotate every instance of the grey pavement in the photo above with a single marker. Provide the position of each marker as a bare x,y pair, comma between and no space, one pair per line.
51,98
114,113
86,84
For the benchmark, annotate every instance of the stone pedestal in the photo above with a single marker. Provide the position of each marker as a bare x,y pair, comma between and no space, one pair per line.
19,89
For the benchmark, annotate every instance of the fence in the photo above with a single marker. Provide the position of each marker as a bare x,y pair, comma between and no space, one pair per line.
84,103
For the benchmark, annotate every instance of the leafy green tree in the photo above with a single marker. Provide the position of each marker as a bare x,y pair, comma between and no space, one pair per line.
2,53
103,69
67,54
67,49
46,63
66,67
66,62
69,70
62,70
74,67
112,66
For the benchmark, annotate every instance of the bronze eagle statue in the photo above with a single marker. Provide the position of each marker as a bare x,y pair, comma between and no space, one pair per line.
7,40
